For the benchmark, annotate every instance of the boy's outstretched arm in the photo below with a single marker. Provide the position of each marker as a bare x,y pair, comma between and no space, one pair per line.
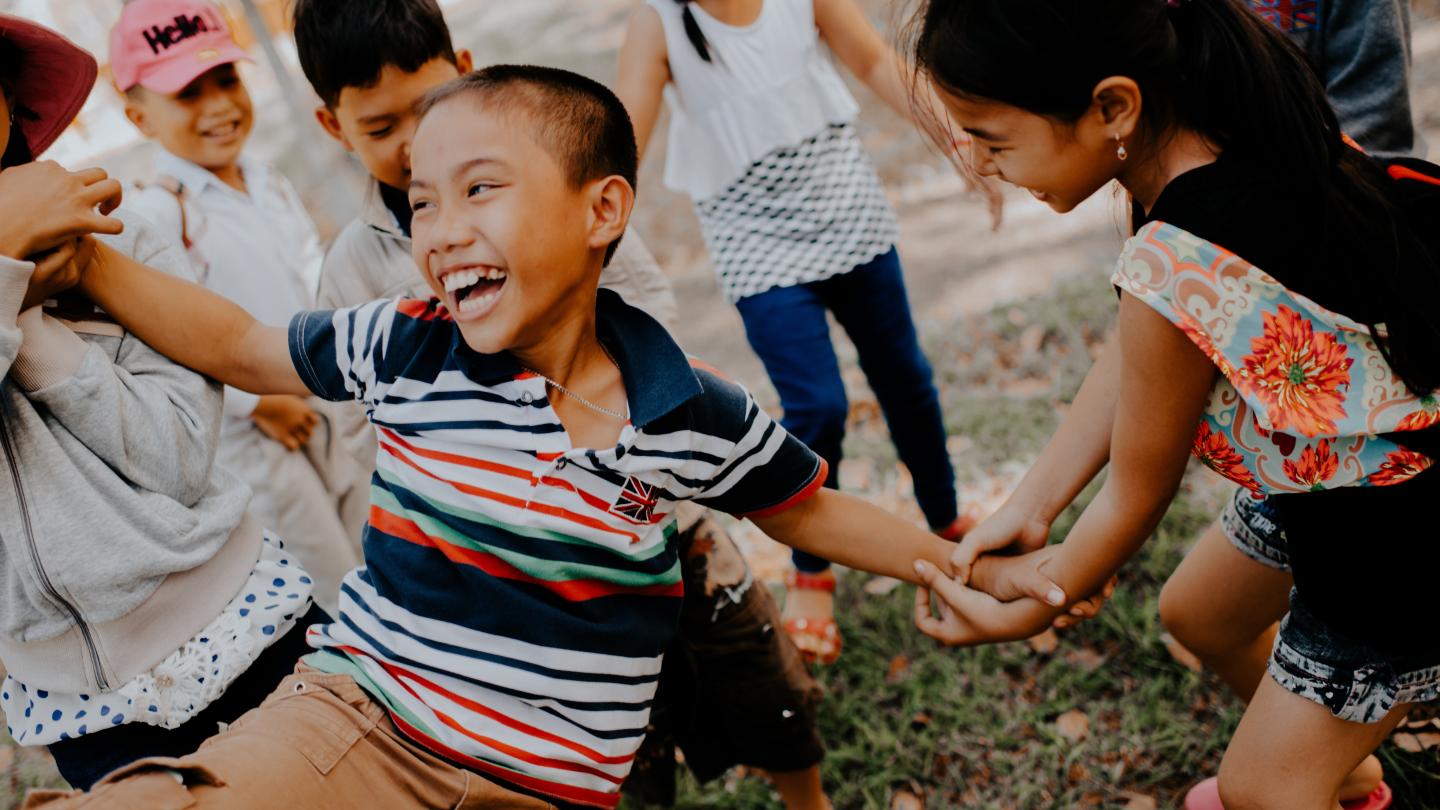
846,530
191,325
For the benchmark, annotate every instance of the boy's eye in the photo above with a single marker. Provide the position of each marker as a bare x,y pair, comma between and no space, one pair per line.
381,133
479,188
995,150
419,205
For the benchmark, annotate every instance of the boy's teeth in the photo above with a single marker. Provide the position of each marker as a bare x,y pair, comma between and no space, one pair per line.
478,302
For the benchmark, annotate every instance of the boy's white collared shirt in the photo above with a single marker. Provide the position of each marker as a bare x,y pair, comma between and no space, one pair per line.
258,248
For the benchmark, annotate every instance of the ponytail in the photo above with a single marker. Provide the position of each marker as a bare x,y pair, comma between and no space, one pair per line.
692,30
1215,68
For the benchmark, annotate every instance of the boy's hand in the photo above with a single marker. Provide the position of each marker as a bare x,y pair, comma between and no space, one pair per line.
969,617
56,271
286,419
1007,528
42,206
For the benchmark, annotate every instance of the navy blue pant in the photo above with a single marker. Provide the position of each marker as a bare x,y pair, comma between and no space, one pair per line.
788,329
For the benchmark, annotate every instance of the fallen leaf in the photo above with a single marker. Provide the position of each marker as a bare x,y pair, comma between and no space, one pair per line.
1032,339
1416,743
899,666
1085,658
881,586
1183,656
905,800
1138,801
921,719
1045,643
1073,725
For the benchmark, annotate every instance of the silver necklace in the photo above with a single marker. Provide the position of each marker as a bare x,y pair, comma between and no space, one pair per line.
582,400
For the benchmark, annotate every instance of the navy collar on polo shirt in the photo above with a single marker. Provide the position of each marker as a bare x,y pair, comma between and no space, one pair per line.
658,377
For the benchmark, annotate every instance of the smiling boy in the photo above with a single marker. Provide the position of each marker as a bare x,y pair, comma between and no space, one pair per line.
502,647
250,239
735,692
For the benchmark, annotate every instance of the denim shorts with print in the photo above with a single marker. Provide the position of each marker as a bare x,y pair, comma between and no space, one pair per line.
1313,660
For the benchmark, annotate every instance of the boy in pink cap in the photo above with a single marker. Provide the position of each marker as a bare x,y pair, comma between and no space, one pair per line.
135,608
249,239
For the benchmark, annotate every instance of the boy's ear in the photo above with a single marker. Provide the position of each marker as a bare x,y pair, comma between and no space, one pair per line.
136,113
464,61
611,200
331,124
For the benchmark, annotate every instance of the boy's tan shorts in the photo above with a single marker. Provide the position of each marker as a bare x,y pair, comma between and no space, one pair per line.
318,741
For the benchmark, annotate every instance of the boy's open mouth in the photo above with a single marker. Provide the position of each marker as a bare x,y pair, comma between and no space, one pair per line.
474,290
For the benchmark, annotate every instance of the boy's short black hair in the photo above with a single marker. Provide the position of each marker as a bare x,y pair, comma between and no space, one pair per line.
578,120
343,43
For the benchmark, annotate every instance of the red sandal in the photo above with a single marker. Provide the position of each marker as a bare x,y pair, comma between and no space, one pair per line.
817,638
1206,796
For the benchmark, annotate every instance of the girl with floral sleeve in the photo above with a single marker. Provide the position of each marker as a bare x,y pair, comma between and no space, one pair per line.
1277,320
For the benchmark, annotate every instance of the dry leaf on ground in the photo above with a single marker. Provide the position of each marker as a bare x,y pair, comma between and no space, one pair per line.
905,800
899,666
1137,801
1045,643
1073,725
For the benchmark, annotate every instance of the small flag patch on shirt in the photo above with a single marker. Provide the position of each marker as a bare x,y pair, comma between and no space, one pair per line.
636,501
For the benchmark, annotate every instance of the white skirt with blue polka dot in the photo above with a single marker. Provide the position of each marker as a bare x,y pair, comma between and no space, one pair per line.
189,679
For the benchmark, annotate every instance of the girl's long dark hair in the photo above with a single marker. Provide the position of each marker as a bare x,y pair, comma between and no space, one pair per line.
1215,68
692,30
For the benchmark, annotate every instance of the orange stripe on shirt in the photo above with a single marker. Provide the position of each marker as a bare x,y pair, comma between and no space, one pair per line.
573,590
510,500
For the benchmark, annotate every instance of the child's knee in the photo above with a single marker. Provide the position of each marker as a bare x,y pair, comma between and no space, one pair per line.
1257,786
1181,617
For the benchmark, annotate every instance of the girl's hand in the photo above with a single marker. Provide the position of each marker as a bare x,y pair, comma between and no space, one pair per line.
42,205
56,271
1026,577
968,617
1008,528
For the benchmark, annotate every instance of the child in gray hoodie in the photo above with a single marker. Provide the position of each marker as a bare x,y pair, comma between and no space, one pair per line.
139,605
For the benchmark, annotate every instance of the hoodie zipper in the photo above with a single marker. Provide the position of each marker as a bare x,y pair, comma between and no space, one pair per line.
49,587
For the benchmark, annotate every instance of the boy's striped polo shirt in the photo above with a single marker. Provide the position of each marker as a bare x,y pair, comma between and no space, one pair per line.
518,592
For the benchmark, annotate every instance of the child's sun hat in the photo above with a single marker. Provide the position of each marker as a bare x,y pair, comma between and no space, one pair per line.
55,77
163,45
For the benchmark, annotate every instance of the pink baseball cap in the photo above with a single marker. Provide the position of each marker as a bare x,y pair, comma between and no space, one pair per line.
163,45
56,76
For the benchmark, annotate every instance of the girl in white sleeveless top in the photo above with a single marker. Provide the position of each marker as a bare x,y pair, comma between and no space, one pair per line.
762,139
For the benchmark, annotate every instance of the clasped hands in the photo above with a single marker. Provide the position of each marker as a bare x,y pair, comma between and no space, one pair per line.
1003,587
47,215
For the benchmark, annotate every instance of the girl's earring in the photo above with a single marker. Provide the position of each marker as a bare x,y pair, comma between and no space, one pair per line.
1120,150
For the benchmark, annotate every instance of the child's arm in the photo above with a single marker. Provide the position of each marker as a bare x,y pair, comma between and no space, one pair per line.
864,52
153,421
1165,385
1072,458
848,32
846,530
192,325
643,72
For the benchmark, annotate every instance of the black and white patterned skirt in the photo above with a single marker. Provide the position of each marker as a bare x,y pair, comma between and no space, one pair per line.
802,213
